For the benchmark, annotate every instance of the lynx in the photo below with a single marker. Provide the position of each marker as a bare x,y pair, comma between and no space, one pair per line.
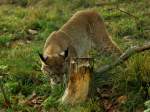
74,39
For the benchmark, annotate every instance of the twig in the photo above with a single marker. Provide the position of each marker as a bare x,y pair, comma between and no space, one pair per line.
105,4
126,13
127,54
117,7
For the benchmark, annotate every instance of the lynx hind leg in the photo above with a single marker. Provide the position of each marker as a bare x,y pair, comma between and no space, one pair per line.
107,46
102,40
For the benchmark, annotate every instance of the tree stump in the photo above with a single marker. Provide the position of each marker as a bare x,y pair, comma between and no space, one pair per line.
80,81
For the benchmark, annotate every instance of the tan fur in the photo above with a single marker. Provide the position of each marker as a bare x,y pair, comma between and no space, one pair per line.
83,31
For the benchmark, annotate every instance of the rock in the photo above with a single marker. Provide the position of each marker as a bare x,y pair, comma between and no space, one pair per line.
128,38
28,42
32,32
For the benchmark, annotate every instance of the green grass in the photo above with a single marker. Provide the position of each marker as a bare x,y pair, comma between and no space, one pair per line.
23,65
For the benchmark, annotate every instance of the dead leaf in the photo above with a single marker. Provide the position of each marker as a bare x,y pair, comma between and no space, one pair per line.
121,99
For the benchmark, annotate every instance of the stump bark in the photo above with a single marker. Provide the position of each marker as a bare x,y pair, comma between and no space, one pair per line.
80,81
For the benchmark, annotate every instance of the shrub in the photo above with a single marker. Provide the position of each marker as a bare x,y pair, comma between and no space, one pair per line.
12,87
4,39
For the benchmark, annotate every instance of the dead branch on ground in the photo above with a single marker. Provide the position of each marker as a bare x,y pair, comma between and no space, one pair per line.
127,54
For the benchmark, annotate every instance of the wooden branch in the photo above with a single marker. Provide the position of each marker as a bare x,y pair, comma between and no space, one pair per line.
117,7
127,13
127,54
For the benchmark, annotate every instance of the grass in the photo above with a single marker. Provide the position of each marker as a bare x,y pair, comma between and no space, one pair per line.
18,51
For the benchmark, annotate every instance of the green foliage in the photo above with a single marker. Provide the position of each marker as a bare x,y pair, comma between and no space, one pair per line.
83,3
21,2
44,89
50,102
125,27
3,68
4,39
130,82
12,87
1,100
88,106
147,104
53,99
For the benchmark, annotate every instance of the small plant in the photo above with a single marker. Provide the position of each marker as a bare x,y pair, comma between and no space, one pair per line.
53,100
12,87
147,105
4,39
6,100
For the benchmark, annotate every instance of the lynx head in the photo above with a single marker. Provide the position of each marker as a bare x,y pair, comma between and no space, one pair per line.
54,66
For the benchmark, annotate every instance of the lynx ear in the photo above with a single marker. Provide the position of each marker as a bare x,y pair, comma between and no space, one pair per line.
42,57
64,53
